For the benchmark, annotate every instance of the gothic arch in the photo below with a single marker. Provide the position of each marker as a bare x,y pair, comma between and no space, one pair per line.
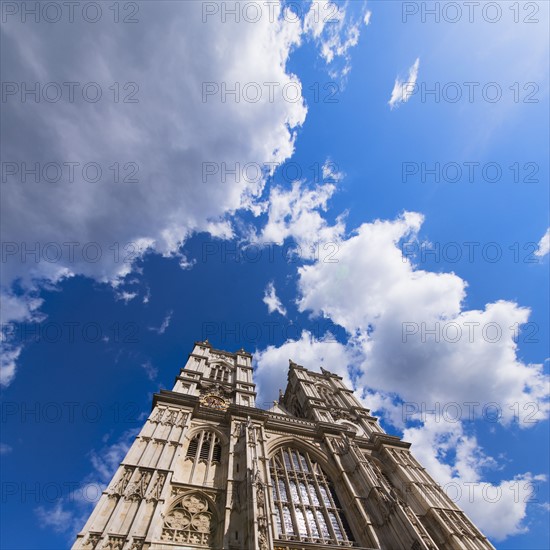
203,460
194,430
291,441
304,498
220,371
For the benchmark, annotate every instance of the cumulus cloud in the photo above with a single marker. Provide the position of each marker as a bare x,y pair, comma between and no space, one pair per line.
402,90
407,326
544,245
411,327
457,463
159,129
271,364
147,139
271,300
169,134
297,213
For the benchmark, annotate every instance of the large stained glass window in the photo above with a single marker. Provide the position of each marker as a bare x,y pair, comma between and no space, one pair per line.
306,506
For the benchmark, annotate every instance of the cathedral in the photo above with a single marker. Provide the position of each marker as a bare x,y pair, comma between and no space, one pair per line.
211,470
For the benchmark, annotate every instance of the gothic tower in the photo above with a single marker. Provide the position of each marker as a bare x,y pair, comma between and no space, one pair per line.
210,470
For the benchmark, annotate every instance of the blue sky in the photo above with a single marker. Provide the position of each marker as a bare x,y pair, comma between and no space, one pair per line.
390,212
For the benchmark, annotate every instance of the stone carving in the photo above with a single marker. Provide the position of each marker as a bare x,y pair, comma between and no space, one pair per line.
158,415
121,484
171,418
137,544
92,541
251,432
155,491
261,513
189,522
218,357
387,504
136,489
338,414
114,543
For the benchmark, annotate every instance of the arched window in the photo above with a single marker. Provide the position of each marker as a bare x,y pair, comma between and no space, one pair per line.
220,373
306,506
190,522
205,446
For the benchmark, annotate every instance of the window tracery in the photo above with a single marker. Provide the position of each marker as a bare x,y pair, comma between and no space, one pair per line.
204,447
189,522
306,506
220,373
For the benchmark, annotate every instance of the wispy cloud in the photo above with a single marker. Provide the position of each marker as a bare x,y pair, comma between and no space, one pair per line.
150,370
125,296
164,325
272,301
69,513
544,245
5,449
336,28
402,90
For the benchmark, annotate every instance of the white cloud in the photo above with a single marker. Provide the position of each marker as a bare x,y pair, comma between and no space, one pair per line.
170,141
125,296
402,91
15,309
544,245
335,29
389,307
296,213
57,518
69,513
150,370
106,460
272,363
456,462
164,325
368,15
170,134
147,296
331,173
271,300
168,137
381,299
8,362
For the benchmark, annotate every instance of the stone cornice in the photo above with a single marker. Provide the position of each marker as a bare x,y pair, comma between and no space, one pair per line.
381,440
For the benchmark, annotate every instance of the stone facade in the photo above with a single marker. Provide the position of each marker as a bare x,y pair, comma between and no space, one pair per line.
210,470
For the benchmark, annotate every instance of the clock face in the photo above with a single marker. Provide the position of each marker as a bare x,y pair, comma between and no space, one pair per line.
214,402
